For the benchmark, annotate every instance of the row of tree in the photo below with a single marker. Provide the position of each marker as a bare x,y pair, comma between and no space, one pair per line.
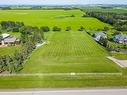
56,28
19,26
119,21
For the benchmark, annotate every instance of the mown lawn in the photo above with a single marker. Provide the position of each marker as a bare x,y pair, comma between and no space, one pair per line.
61,82
120,55
9,50
68,52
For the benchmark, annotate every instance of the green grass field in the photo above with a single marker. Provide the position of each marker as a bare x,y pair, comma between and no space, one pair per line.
60,18
61,82
8,50
120,55
52,18
65,52
69,52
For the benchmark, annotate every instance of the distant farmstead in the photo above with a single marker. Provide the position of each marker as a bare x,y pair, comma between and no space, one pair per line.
8,40
121,38
99,35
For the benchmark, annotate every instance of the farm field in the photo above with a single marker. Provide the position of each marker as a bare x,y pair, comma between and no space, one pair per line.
61,18
68,52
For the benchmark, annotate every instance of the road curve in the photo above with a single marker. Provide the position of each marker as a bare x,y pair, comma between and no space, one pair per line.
67,92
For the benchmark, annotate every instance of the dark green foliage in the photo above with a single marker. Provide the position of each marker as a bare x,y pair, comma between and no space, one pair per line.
56,28
106,28
81,28
84,15
6,8
11,25
72,16
0,38
116,33
117,20
125,46
45,28
68,28
2,63
103,41
121,26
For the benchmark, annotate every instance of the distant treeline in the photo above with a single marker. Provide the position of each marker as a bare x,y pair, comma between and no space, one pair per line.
119,21
37,8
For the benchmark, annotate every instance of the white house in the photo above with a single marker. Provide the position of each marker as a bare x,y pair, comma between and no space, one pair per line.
9,40
98,35
121,38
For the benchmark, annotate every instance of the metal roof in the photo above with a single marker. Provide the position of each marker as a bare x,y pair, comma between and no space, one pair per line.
100,34
10,40
5,35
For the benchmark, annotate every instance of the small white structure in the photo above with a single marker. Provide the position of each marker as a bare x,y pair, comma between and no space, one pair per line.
98,35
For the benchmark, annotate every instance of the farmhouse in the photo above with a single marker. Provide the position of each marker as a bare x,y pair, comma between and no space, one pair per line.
98,35
121,38
8,40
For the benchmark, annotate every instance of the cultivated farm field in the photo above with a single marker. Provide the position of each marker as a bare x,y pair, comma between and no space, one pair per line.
61,18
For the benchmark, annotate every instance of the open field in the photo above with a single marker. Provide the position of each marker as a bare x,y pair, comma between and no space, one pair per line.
65,52
61,18
68,52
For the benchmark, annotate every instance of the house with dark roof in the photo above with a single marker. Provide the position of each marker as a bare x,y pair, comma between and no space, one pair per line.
121,38
98,35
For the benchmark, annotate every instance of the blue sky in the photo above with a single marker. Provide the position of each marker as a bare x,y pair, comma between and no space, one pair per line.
61,2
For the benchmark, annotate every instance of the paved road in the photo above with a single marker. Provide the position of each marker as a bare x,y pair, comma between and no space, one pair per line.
68,92
121,63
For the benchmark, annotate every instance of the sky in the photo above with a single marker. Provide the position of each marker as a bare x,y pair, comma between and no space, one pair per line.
60,2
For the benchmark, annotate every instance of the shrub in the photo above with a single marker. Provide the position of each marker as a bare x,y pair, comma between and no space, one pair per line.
55,28
45,28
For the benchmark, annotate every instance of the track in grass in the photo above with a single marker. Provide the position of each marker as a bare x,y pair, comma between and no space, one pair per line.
69,52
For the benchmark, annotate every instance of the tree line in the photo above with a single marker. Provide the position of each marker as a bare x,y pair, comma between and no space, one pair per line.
119,21
30,36
18,26
11,25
